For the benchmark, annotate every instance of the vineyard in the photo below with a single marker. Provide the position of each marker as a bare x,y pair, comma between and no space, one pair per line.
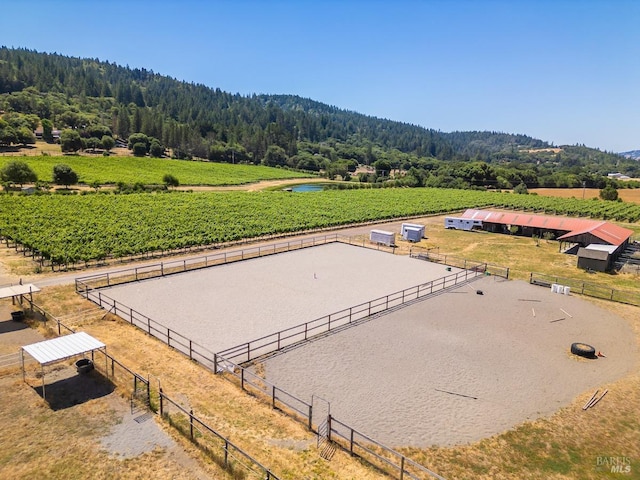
149,171
70,229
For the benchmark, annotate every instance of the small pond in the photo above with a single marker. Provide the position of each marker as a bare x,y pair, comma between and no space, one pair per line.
308,187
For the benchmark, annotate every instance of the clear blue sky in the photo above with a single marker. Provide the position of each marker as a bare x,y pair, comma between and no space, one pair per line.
565,71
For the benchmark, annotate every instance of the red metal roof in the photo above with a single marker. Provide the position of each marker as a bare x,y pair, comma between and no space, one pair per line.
608,232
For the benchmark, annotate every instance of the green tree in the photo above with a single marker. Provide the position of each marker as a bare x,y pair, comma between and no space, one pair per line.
123,123
383,168
18,172
275,156
47,130
609,193
108,142
64,175
156,149
7,134
25,136
70,140
93,143
170,180
521,189
139,138
139,149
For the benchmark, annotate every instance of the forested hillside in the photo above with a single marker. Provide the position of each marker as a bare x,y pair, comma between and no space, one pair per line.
93,102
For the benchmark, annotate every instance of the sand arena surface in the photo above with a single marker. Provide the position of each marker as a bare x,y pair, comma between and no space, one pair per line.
224,306
384,377
508,348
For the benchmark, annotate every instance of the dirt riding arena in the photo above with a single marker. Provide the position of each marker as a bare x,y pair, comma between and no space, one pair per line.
446,370
225,306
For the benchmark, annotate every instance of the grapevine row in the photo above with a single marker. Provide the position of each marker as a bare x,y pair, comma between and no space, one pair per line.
69,229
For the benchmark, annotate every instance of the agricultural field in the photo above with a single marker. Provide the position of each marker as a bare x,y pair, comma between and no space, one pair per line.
149,171
68,229
625,194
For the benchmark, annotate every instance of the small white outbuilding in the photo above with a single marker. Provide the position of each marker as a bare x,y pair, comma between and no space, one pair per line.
383,237
412,232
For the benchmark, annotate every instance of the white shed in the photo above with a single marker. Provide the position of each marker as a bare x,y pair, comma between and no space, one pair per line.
412,232
383,237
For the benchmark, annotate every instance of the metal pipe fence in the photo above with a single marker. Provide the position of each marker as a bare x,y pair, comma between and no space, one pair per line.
454,261
347,438
226,453
249,351
585,288
121,375
360,445
162,269
251,382
277,397
170,337
114,370
229,360
46,316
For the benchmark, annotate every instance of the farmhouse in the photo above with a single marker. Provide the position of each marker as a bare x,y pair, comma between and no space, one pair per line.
571,232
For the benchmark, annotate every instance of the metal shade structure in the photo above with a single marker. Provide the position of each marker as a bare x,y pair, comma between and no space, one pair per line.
62,348
14,291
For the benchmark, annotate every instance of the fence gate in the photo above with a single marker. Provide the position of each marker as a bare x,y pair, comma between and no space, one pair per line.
321,413
140,401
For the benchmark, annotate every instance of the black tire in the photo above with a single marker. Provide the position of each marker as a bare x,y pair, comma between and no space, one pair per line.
583,350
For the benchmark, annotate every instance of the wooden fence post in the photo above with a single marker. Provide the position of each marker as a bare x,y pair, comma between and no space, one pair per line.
191,424
161,395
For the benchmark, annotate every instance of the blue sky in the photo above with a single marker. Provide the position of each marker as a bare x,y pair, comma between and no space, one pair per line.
565,71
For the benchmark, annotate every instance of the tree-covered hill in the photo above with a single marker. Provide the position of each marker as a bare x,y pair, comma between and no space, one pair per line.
93,101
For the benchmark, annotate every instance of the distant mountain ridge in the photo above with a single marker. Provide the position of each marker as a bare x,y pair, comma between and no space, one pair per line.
97,98
633,154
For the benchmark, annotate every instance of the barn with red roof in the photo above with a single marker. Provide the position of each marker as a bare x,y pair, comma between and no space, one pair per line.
579,233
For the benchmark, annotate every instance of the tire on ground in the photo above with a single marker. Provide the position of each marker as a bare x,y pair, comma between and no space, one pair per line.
583,350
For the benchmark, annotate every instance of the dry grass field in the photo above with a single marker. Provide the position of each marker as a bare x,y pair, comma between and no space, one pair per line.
65,444
43,148
626,194
277,442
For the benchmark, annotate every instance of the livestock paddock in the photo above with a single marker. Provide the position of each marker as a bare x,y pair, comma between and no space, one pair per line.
448,369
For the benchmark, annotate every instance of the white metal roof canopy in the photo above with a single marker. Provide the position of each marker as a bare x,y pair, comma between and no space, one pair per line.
17,290
59,349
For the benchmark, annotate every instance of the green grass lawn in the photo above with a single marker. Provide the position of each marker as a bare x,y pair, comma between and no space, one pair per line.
149,171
